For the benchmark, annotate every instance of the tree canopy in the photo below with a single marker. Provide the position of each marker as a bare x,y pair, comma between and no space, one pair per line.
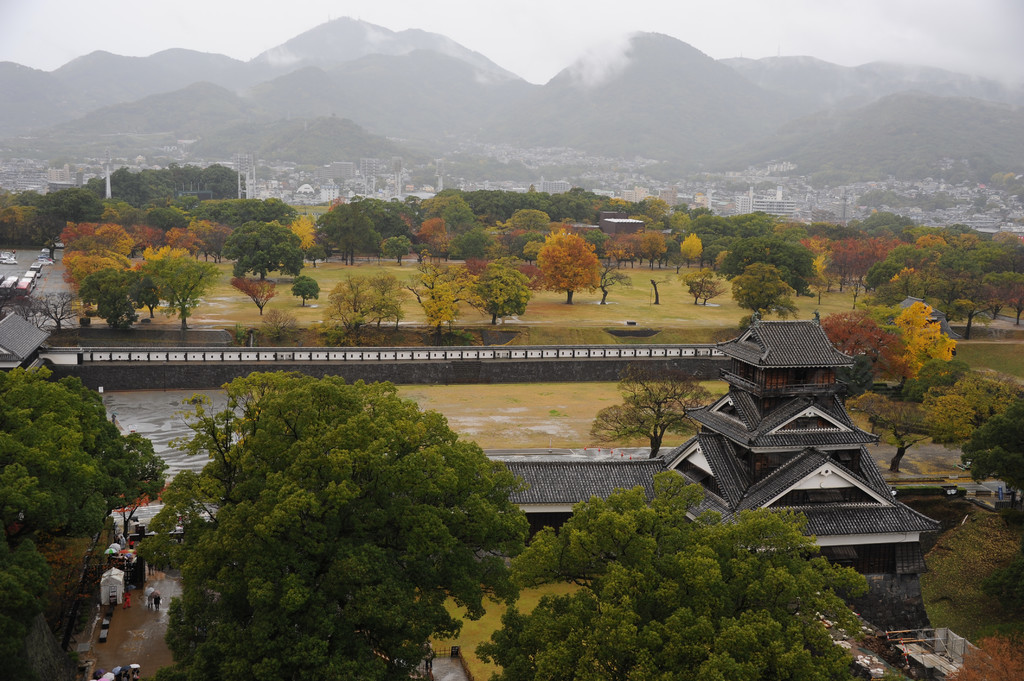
181,281
654,403
64,467
262,247
663,598
347,523
569,264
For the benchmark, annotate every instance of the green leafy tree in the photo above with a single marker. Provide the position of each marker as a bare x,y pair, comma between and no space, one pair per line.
306,288
762,290
793,261
146,293
63,468
314,253
334,521
654,403
262,247
472,245
349,230
503,290
664,597
704,284
396,247
111,290
182,282
996,449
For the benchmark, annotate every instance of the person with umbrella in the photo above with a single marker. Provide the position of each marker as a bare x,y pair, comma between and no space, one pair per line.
156,599
149,597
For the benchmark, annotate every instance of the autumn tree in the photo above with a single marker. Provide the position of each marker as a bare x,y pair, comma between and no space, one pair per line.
348,517
305,287
996,658
181,280
660,596
652,246
434,233
655,402
260,291
922,338
954,412
503,290
440,290
691,248
1008,288
211,238
704,284
569,264
901,423
611,276
857,333
762,290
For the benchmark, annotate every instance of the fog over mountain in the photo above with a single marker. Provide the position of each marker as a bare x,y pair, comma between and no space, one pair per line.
417,93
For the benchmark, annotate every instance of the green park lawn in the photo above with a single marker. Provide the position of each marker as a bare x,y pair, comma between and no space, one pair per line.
1003,357
547,316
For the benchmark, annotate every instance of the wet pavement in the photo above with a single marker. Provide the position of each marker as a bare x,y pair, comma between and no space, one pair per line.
135,634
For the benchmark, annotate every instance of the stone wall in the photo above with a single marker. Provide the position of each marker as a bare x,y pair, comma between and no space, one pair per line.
209,375
893,602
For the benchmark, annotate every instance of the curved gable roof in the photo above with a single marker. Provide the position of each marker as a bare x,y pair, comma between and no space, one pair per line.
785,344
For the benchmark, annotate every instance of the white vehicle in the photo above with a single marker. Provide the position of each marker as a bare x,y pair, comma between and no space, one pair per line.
8,260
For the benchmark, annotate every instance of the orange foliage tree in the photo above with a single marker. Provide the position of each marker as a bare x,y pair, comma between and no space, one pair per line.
997,659
569,264
856,333
260,291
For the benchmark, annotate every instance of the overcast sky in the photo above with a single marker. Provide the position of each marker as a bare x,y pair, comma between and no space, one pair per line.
538,38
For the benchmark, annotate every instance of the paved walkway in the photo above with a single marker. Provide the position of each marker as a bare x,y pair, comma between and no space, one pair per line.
136,634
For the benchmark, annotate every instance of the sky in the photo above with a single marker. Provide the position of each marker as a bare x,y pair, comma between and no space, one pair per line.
538,38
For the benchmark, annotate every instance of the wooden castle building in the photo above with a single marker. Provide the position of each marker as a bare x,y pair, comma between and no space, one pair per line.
781,439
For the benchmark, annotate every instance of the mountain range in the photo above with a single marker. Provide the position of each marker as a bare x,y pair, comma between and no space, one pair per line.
348,89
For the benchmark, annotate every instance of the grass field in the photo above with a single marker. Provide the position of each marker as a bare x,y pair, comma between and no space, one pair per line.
224,306
1004,357
531,416
475,632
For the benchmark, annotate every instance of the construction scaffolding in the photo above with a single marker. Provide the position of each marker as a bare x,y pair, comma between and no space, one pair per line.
939,652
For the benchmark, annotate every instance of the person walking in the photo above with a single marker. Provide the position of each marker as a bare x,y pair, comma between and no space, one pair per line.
156,599
127,600
149,597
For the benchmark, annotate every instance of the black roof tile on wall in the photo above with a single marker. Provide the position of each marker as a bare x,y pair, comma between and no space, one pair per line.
19,338
568,482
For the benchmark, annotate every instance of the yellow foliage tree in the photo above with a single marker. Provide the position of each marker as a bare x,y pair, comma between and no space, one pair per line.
568,264
304,227
922,338
691,248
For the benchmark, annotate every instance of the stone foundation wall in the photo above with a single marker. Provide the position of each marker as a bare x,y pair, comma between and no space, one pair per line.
893,602
209,375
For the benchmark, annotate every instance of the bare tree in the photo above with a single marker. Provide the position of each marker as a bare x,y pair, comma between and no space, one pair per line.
52,310
655,403
611,275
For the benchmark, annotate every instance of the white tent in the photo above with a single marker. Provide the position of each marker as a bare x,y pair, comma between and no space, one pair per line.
112,586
